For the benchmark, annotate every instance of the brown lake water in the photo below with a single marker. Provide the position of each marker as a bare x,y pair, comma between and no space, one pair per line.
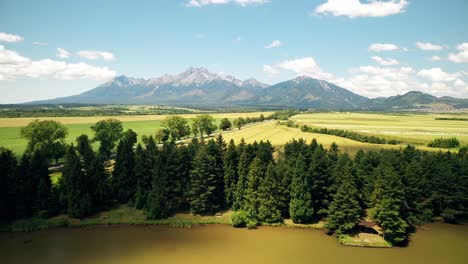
435,243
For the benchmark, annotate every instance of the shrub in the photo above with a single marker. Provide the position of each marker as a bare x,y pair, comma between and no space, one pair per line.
251,224
444,143
239,219
451,215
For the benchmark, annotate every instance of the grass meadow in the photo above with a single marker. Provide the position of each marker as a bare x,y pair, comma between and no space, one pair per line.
10,128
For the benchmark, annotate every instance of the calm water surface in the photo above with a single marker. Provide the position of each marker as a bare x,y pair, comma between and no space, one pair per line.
437,243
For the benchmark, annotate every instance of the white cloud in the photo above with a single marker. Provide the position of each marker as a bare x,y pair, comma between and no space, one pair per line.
200,3
95,55
435,58
462,55
10,37
302,66
274,44
378,47
63,53
385,62
13,65
270,70
428,46
438,75
38,43
354,8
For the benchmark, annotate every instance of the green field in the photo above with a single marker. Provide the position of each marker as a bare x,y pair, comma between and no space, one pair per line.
408,128
416,129
10,128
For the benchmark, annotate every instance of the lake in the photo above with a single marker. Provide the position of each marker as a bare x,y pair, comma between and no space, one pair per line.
434,243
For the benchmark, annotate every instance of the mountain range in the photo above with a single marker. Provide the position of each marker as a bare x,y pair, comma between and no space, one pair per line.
199,87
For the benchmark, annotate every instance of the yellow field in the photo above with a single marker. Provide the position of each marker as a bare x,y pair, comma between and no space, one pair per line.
278,135
410,128
20,122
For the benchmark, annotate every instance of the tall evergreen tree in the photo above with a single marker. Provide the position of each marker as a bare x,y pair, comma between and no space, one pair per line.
75,186
269,193
39,169
319,169
203,178
157,206
123,180
345,210
252,201
300,206
244,163
389,208
231,163
7,184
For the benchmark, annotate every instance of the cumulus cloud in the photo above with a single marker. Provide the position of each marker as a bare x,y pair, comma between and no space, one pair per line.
385,62
274,44
96,55
63,53
302,66
200,3
354,8
10,37
428,46
378,47
461,56
435,58
13,65
438,75
270,70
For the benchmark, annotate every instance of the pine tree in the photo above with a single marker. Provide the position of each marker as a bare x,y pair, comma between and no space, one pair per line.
269,193
319,170
24,188
216,150
389,206
7,184
157,206
231,163
39,169
123,180
252,201
203,180
300,206
345,210
74,186
244,163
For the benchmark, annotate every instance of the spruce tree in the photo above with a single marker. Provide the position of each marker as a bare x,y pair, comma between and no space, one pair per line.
74,186
300,206
345,210
319,170
269,194
231,163
389,208
7,184
123,180
157,206
244,163
252,201
203,198
39,169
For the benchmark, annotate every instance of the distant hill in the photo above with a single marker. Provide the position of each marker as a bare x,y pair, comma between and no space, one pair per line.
197,87
416,101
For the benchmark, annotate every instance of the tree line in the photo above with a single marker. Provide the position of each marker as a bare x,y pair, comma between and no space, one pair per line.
305,182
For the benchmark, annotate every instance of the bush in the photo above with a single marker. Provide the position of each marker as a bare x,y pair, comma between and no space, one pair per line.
239,219
451,215
251,224
444,143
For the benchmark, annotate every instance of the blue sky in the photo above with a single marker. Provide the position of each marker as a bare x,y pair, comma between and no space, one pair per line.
370,48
